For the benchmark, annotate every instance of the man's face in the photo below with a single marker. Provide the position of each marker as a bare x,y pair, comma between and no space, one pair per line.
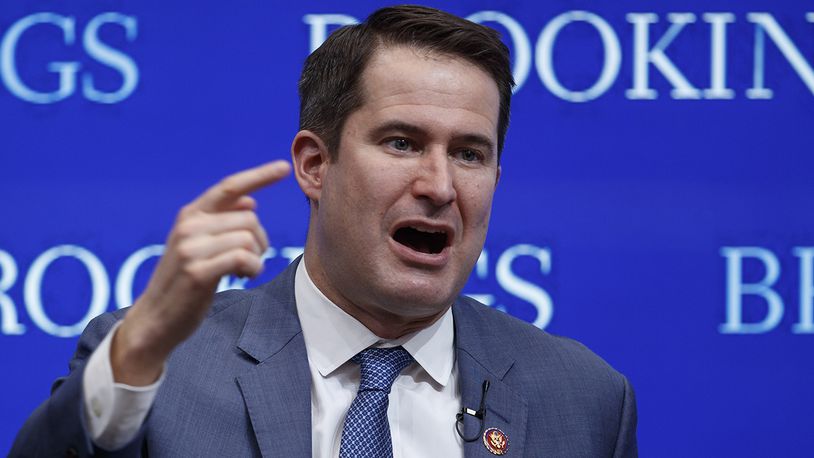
403,211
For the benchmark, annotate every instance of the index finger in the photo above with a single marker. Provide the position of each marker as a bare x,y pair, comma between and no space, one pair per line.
233,187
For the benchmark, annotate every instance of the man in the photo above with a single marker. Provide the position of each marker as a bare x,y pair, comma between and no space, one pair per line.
402,124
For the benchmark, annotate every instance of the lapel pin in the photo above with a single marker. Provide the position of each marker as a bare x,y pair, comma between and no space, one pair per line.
496,441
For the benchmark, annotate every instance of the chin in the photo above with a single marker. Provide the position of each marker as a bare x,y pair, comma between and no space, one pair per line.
417,299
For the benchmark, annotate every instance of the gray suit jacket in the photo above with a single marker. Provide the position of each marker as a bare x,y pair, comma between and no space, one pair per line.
240,386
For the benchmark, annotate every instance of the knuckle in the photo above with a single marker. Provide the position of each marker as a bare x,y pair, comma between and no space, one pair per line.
245,258
252,219
185,211
228,186
246,241
263,247
185,251
185,228
194,274
193,225
245,261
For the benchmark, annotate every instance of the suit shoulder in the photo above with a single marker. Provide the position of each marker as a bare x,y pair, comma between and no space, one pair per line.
539,352
100,326
225,300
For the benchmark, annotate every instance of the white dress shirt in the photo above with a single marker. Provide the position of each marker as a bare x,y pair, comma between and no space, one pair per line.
114,412
422,403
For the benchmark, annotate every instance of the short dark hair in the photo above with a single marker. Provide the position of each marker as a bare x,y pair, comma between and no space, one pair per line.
330,87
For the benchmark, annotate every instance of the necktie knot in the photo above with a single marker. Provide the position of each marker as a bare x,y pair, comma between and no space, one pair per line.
379,367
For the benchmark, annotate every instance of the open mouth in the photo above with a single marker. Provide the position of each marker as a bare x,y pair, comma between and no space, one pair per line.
422,240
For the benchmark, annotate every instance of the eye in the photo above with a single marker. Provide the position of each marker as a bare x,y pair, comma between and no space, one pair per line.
400,144
470,155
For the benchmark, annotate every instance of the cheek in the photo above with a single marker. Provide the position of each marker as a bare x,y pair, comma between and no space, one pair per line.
366,196
476,205
384,184
340,206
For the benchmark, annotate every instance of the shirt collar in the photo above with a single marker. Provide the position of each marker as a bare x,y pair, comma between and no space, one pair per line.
332,337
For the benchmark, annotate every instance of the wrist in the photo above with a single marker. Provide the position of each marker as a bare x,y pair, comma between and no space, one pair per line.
134,357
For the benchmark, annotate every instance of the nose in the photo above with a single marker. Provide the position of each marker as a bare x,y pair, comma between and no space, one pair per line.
435,180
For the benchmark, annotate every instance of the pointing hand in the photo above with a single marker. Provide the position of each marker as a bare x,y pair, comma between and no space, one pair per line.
215,235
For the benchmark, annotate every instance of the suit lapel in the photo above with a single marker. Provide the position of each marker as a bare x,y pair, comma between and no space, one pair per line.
484,356
277,391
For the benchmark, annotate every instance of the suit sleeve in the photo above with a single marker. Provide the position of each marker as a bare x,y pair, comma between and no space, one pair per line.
626,445
57,427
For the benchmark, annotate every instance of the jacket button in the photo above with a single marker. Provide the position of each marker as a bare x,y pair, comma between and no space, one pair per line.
71,453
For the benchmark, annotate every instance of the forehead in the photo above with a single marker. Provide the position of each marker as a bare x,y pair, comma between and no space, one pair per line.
430,87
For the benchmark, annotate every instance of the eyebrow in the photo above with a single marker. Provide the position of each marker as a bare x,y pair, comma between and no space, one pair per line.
395,126
412,129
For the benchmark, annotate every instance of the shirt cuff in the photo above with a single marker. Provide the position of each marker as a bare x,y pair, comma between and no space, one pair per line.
114,412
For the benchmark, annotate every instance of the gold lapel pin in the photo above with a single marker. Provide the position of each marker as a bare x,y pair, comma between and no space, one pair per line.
496,441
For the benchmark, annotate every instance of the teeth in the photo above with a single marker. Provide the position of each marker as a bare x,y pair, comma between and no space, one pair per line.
430,231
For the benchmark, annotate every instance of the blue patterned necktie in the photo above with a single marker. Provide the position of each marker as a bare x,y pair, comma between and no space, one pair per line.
367,433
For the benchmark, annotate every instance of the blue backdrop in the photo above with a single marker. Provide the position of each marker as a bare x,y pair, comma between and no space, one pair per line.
654,202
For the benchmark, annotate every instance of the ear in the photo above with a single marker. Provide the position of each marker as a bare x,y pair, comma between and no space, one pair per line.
310,158
497,175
